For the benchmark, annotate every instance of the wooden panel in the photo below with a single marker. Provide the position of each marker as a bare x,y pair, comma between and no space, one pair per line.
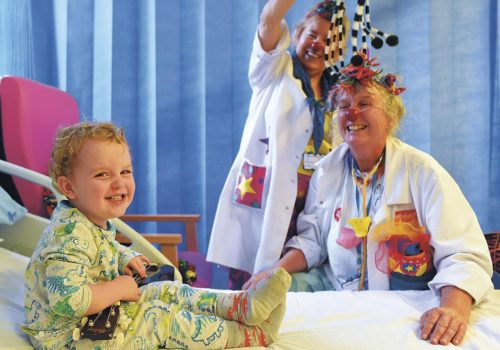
168,243
189,221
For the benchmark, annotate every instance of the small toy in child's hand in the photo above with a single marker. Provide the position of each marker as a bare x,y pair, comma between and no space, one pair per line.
155,273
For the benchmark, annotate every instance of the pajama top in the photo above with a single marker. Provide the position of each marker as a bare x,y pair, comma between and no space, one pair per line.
71,253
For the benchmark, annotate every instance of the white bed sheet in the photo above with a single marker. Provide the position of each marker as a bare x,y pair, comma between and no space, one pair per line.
375,320
315,321
12,266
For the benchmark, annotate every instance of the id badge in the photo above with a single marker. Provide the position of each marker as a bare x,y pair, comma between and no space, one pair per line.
311,160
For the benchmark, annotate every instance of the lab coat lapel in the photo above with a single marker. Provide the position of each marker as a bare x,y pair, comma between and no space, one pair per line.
397,182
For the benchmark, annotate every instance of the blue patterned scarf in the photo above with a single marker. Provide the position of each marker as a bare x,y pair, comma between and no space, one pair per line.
314,106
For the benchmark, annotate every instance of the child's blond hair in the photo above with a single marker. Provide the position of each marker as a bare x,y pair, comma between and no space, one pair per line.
69,141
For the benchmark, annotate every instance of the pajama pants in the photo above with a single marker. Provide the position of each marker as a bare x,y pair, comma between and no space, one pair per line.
168,315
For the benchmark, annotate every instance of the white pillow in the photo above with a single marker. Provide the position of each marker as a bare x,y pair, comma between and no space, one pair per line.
10,210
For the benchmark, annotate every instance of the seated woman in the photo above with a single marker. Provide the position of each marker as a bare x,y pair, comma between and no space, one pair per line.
381,214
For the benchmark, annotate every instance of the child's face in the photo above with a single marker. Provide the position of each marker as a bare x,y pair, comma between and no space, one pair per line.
102,184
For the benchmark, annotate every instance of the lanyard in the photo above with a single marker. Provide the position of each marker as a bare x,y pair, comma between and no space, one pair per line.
366,208
373,177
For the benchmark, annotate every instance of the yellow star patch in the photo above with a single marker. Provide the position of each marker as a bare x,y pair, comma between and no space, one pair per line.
409,268
245,187
360,226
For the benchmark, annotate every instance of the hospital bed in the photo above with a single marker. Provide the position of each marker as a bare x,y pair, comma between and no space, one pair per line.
315,321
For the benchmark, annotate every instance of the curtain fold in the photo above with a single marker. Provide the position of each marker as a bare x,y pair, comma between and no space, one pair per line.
174,75
492,204
16,39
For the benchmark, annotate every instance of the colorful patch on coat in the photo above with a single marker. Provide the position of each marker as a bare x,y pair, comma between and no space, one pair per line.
409,216
347,238
250,185
409,258
360,225
336,214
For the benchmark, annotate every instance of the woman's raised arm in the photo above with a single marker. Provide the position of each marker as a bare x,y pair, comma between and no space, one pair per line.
270,22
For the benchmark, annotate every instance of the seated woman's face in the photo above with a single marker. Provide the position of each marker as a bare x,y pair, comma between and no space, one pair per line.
362,120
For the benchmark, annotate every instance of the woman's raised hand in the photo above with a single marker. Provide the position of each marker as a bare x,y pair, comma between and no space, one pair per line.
270,22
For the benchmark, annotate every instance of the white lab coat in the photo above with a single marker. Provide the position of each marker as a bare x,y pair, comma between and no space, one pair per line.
412,180
252,239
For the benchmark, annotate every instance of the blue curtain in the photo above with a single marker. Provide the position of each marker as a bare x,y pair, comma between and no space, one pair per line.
174,74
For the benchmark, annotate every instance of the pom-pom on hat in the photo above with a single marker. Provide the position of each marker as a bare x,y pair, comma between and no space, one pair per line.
361,24
332,11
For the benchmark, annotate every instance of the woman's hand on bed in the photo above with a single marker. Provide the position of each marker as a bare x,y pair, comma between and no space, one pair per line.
448,322
294,260
137,264
252,282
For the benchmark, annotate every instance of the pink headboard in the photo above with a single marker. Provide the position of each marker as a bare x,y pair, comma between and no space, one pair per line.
31,114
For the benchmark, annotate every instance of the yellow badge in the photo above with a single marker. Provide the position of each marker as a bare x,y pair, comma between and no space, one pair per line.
360,226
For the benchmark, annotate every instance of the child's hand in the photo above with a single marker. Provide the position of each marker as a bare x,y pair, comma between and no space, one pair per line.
128,288
137,264
107,293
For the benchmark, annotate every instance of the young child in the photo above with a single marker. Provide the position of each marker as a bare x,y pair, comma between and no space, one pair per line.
78,269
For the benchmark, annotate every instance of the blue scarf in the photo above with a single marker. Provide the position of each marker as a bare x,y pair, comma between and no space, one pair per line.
314,106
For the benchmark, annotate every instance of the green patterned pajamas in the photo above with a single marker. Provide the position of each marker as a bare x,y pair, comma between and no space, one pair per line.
171,316
73,253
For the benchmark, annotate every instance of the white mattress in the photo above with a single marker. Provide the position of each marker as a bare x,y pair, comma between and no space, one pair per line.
12,266
375,320
316,321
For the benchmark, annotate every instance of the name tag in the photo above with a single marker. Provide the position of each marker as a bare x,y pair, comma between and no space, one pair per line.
311,160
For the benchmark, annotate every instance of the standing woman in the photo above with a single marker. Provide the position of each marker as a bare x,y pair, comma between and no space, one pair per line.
287,131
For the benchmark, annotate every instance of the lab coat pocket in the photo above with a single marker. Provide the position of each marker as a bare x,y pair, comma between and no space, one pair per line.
249,186
399,281
410,263
405,246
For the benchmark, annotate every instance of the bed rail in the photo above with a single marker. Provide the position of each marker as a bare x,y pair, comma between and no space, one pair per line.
23,236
